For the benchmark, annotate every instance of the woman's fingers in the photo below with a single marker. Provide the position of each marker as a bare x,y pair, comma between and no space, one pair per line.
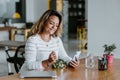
52,57
74,63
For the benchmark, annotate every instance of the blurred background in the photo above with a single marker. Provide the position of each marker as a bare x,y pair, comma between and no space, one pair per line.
87,24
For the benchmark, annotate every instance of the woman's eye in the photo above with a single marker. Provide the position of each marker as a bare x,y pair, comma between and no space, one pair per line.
51,23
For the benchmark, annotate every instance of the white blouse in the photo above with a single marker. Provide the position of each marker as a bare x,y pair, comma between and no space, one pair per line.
37,50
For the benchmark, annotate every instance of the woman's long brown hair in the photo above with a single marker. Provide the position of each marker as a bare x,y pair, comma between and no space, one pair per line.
38,27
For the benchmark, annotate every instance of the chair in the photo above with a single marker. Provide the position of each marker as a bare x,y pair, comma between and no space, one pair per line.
18,59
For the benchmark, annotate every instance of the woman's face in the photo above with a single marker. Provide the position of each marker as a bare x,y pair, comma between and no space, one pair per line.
51,25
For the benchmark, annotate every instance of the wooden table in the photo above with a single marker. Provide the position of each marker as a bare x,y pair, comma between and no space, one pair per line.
10,43
23,31
13,30
7,28
81,73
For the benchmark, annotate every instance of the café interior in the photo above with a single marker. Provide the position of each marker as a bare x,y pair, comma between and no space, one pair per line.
87,26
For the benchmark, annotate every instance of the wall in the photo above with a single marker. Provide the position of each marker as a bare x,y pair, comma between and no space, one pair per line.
103,25
29,10
7,6
34,9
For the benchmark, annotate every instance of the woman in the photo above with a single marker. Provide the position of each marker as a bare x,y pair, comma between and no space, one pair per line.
44,46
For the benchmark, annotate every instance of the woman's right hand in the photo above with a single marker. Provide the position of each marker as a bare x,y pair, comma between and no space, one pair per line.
52,57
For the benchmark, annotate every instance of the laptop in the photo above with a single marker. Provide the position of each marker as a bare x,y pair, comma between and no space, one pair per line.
38,74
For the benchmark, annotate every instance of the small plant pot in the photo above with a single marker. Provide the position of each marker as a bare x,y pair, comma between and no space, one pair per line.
102,64
110,58
59,71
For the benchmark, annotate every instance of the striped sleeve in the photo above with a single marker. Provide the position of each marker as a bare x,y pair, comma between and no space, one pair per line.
62,53
31,53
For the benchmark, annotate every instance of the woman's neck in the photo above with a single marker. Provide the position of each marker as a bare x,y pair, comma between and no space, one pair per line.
45,37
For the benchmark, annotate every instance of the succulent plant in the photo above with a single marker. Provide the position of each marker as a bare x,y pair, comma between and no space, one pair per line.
59,64
109,48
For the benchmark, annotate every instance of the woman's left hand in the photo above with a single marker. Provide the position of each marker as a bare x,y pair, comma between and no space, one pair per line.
74,63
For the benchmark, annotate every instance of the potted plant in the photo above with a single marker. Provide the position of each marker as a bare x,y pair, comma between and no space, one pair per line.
108,49
59,65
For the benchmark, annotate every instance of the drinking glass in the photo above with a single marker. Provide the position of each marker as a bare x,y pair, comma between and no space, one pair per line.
89,61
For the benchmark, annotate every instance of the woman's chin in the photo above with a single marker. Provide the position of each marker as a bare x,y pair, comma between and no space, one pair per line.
51,33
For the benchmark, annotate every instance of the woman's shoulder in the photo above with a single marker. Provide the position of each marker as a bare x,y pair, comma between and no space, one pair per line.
58,39
33,38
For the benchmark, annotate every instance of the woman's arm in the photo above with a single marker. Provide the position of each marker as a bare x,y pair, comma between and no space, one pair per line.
62,53
31,54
